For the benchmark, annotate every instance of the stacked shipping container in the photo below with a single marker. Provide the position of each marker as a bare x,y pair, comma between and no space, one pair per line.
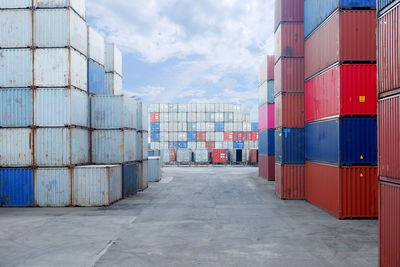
266,118
340,107
389,131
289,99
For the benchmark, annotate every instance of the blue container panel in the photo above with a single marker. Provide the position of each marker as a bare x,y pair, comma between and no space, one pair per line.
155,137
192,127
289,146
238,144
219,126
16,107
16,187
271,97
384,3
173,145
155,127
130,172
266,142
254,127
182,145
95,78
191,136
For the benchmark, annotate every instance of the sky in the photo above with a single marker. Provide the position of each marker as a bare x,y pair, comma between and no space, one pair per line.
189,51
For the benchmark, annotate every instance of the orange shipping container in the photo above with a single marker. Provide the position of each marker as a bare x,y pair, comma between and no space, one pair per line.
290,181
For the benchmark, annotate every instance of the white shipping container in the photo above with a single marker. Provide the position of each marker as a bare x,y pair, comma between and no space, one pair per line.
97,185
16,67
173,117
15,28
173,108
219,145
182,136
182,117
246,126
145,117
16,107
192,117
53,187
15,4
182,127
183,155
201,155
210,127
60,28
236,108
219,108
183,108
219,136
164,136
16,147
173,127
143,175
210,136
173,137
201,126
155,145
201,145
164,145
164,117
228,144
253,145
192,145
228,127
237,117
78,5
192,107
246,117
164,126
210,117
155,108
246,145
154,169
201,108
237,126
113,59
113,84
201,117
210,108
164,108
96,46
165,156
219,117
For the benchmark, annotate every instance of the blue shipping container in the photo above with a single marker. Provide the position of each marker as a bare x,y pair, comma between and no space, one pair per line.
16,107
266,142
192,127
317,11
155,127
191,136
173,145
155,137
182,145
271,94
254,127
95,78
345,141
16,187
238,144
219,127
289,146
129,182
385,3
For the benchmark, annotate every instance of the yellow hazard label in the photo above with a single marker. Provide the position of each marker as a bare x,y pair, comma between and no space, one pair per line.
361,175
362,99
361,157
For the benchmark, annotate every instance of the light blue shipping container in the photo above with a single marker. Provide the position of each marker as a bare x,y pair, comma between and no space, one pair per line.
95,78
129,178
219,127
271,94
154,171
112,84
16,107
16,187
238,144
210,117
191,127
79,6
15,28
143,182
183,155
145,145
254,127
165,156
53,187
228,117
16,67
16,4
16,147
142,117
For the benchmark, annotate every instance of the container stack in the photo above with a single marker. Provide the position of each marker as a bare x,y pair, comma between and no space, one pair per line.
289,99
96,61
389,131
187,133
266,119
142,145
113,69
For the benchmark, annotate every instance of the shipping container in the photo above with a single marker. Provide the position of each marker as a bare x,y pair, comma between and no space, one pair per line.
172,153
139,146
266,167
154,171
192,127
238,144
317,11
129,179
210,145
183,155
346,141
289,110
142,117
201,136
16,187
288,11
388,47
165,156
16,106
155,136
143,175
219,127
289,146
113,59
12,4
263,94
266,115
59,107
53,187
113,84
144,145
201,156
266,142
15,28
384,5
16,67
219,156
155,108
347,36
345,90
289,40
290,181
113,112
254,127
345,192
96,185
389,221
266,70
289,75
96,46
78,6
16,147
96,78
191,136
183,108
154,127
254,136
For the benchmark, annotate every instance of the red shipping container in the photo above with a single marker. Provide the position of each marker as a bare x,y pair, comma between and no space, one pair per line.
266,71
341,91
247,136
289,75
347,36
388,50
172,155
266,167
389,137
289,110
289,40
228,136
345,192
290,181
219,156
201,136
210,145
389,222
254,136
288,10
155,117
253,156
238,136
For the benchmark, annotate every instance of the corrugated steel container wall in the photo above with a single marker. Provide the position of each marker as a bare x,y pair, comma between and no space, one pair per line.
67,106
60,67
96,46
61,146
143,175
183,155
78,5
266,115
96,185
263,94
345,141
238,144
95,78
389,221
16,187
145,117
154,127
129,176
289,110
155,108
219,156
155,136
154,174
345,192
289,75
113,84
346,36
253,156
289,40
154,117
16,4
139,147
15,28
266,142
60,28
271,92
16,67
165,156
341,91
172,153
16,107
201,155
16,147
389,136
288,10
113,59
289,146
266,167
266,70
388,50
53,187
382,4
290,181
317,11
254,127
144,145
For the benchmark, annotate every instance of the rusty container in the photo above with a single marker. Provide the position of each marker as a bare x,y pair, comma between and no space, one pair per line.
266,167
290,181
289,75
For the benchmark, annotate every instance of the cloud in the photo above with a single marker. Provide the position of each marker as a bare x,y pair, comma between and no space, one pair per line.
150,92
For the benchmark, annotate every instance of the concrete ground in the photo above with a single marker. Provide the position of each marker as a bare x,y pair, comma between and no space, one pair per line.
193,217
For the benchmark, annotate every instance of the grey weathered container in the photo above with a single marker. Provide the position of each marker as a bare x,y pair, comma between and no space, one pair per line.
143,117
201,155
79,6
61,107
113,146
61,146
183,155
97,185
143,175
96,46
16,107
145,145
4,4
113,112
16,67
16,147
60,67
165,156
16,28
112,84
154,169
59,28
53,187
113,59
